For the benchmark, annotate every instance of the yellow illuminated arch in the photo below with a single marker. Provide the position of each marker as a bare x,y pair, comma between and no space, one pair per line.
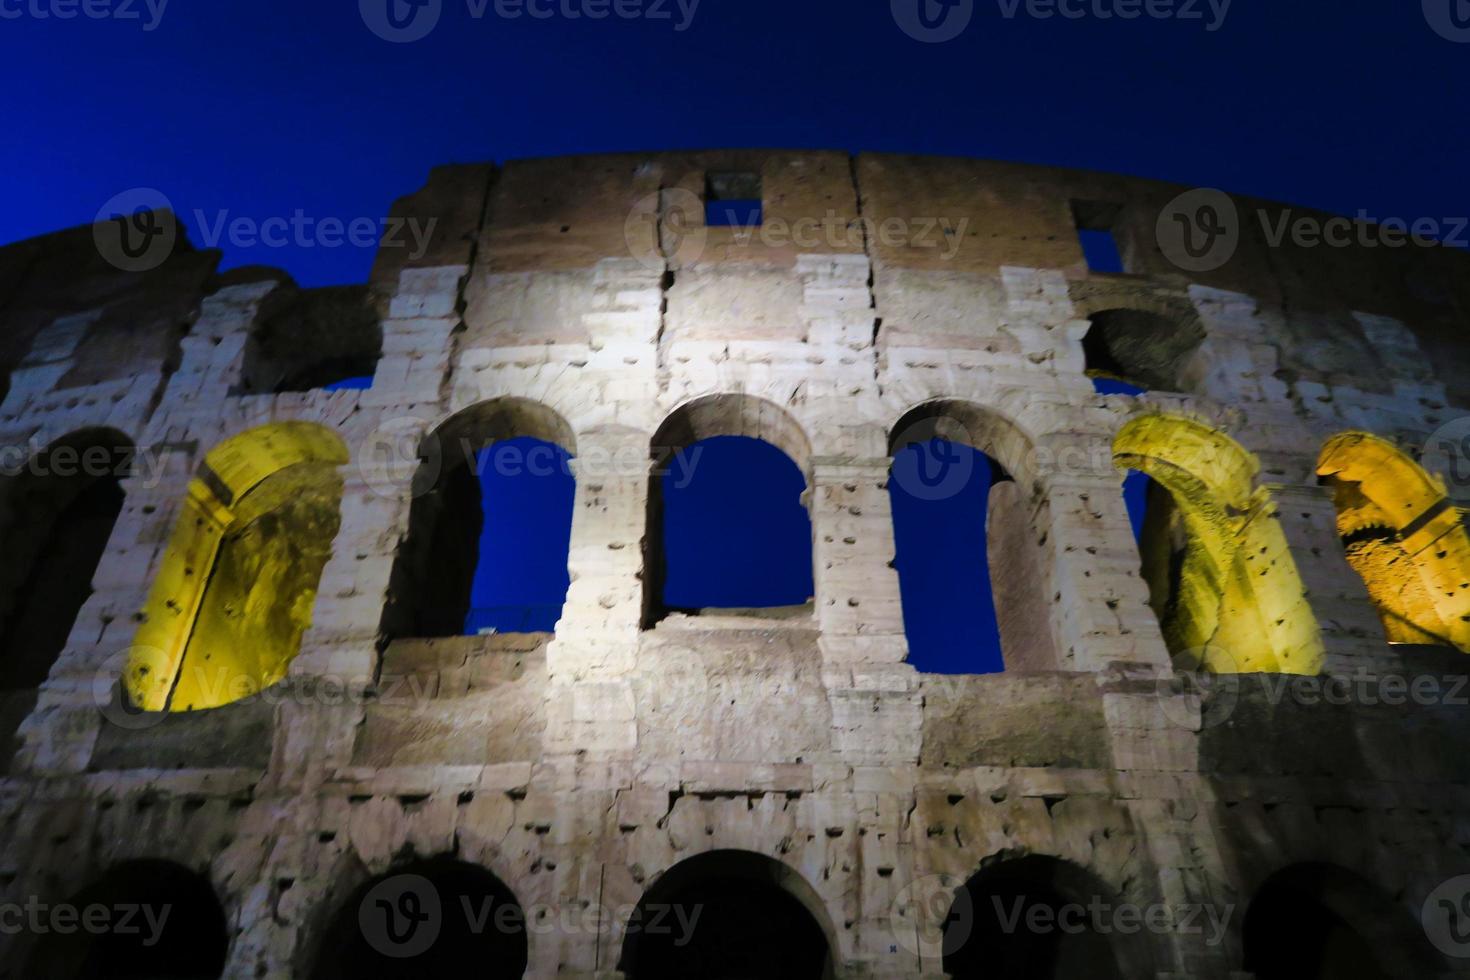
1404,537
235,590
1228,594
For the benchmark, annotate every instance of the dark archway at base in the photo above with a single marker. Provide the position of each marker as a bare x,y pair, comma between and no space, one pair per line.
1033,918
429,919
727,915
164,922
1321,922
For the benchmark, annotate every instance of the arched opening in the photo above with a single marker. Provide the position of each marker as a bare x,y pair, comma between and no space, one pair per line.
1220,575
235,589
727,524
58,510
150,920
428,919
1403,537
972,564
728,915
330,337
489,527
1321,922
1038,918
1142,348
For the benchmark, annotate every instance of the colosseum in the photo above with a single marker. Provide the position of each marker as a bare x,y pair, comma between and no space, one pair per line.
244,735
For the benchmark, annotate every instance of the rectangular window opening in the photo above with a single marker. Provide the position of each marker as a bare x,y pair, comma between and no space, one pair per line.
1096,223
733,199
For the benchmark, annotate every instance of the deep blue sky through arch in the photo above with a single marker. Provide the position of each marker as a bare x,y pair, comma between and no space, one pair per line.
261,110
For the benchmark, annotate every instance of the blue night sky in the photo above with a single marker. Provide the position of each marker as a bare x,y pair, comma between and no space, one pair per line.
266,109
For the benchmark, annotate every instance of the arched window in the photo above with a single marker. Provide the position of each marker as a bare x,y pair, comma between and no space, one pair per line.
1404,537
58,514
175,928
1221,577
992,929
489,526
728,915
1142,348
234,593
314,338
727,523
1322,922
430,918
972,563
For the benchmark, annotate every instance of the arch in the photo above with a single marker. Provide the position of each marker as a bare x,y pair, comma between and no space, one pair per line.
434,574
1014,524
729,914
1317,921
1221,576
1404,538
235,589
435,917
58,512
722,423
1069,929
176,928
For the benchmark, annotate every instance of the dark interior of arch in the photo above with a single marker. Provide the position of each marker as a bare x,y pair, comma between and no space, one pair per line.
986,935
481,928
1317,922
313,338
190,941
728,529
489,527
1145,349
724,916
58,517
940,493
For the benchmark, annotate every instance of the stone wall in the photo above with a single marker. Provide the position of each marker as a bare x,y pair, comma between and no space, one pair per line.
579,768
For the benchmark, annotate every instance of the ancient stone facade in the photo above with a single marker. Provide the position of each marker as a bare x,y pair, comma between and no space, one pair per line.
882,299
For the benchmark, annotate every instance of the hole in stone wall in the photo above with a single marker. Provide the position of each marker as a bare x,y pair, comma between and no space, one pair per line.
1135,484
315,338
735,532
1320,922
489,527
733,199
432,918
990,930
940,493
1096,223
727,915
1143,349
176,931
